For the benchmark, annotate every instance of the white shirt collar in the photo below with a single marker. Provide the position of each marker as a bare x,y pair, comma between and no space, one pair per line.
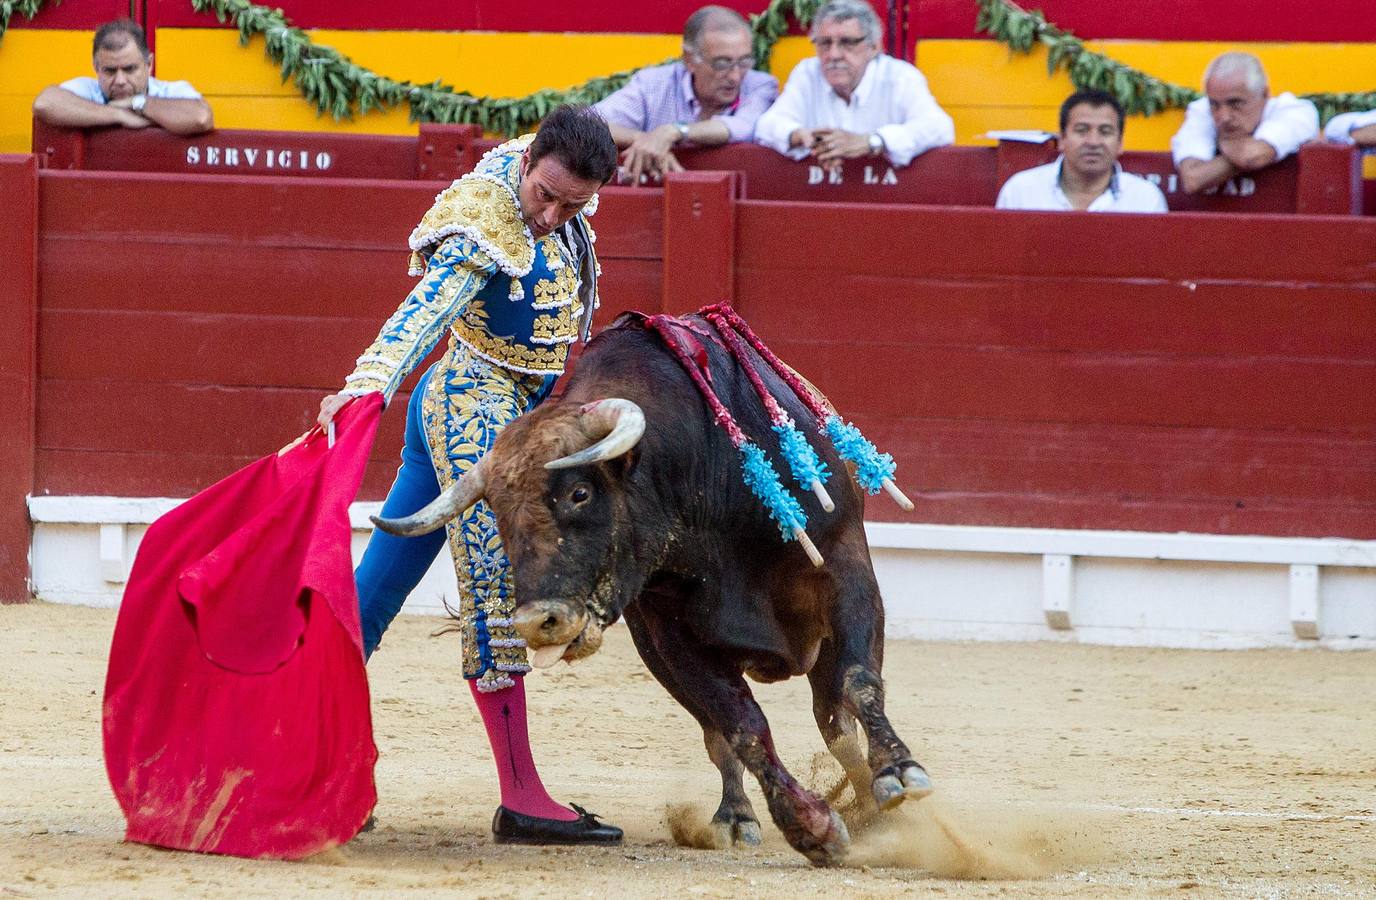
1114,187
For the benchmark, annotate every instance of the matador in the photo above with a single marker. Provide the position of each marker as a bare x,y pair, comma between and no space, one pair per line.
507,271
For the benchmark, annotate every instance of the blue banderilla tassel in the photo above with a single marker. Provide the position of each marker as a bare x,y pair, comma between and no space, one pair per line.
872,467
802,460
763,481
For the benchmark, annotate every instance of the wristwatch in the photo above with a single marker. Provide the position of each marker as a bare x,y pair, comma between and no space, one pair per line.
682,131
876,143
137,103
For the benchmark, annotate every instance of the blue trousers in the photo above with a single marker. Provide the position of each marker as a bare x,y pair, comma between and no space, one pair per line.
392,566
455,413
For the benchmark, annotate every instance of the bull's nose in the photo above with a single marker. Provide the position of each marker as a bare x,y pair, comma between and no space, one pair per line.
545,623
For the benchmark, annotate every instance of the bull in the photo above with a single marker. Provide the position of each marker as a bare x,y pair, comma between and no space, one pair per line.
621,499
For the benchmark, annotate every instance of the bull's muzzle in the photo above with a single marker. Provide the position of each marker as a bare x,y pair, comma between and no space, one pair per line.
548,627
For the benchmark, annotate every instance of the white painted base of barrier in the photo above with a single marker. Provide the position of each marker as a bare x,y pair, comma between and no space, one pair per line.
939,582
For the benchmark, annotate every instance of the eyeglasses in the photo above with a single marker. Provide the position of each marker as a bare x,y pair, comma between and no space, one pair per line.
723,64
845,43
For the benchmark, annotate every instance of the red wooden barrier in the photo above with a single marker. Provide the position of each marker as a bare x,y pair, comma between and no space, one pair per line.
189,325
18,370
439,153
1324,178
699,238
1206,374
1170,373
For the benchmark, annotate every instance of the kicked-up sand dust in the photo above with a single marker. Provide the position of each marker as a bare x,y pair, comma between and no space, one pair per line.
1060,770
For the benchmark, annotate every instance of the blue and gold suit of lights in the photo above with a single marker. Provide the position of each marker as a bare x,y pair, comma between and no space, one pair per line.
511,306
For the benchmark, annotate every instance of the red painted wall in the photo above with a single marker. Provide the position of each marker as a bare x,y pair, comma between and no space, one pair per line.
75,14
617,16
1221,20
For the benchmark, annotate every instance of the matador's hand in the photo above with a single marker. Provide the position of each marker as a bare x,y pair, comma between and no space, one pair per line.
331,405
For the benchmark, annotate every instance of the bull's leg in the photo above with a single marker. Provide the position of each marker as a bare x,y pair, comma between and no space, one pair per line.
735,820
858,632
836,724
716,686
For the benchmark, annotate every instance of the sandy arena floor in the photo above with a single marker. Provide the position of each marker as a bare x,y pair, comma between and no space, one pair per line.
1060,770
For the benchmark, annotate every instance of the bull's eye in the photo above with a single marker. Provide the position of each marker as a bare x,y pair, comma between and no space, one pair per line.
580,495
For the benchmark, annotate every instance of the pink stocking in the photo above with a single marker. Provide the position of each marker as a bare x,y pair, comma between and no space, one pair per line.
504,715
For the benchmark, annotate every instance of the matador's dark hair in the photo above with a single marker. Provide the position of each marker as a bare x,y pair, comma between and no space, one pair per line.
578,137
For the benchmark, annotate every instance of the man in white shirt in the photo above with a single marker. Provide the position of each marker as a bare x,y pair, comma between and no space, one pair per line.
851,100
1087,175
123,93
1353,128
1238,126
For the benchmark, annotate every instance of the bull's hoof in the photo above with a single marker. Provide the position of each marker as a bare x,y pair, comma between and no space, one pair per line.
915,779
888,791
916,782
902,781
728,831
829,848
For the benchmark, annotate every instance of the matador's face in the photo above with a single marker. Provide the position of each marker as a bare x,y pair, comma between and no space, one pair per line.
550,194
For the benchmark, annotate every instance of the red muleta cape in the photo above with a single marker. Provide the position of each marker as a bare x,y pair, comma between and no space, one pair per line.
236,704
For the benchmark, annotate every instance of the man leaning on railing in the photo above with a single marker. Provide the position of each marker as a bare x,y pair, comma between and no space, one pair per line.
124,92
1237,126
852,99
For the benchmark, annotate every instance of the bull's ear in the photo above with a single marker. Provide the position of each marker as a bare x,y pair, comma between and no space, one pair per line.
624,466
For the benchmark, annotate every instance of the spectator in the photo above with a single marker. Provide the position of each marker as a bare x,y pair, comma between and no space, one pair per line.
1086,176
123,92
852,100
713,95
1353,128
1238,126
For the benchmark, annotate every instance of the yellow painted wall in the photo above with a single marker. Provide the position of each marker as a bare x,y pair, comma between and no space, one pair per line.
30,60
981,83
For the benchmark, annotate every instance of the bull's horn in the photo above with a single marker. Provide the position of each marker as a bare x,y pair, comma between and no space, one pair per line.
460,495
616,425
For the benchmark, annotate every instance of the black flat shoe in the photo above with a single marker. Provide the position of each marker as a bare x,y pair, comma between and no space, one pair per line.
517,828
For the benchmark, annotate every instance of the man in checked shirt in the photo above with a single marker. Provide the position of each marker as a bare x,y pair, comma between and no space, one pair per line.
713,95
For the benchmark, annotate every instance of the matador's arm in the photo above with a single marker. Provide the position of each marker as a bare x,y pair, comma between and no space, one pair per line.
455,273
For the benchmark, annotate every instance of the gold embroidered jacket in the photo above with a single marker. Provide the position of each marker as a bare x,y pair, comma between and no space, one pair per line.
512,300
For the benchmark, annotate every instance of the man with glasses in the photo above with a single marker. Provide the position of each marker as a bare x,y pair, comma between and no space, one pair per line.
713,95
852,100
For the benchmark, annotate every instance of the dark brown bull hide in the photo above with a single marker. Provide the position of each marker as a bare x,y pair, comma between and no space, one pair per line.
668,537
